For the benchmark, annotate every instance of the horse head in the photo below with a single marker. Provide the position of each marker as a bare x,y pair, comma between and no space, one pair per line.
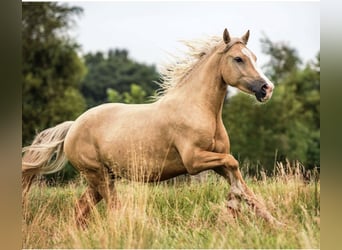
239,68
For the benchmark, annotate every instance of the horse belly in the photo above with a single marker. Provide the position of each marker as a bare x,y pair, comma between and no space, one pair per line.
143,162
141,151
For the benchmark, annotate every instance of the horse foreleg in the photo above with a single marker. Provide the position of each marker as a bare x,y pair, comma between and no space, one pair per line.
239,191
83,206
227,166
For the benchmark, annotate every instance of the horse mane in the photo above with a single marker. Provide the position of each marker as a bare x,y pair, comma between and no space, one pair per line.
172,73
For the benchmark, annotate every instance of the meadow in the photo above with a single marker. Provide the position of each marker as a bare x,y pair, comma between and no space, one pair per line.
178,214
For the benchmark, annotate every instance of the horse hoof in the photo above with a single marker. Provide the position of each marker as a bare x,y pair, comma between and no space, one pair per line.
233,207
81,224
233,212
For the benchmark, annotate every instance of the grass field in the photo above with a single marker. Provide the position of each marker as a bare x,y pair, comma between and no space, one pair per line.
190,214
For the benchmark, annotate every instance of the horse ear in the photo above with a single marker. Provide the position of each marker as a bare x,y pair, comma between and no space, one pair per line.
226,37
245,37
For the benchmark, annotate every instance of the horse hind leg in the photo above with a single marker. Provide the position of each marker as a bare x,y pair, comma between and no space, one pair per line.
84,205
101,187
108,191
26,182
28,177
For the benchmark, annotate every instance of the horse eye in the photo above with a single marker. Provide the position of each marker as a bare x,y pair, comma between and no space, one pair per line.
238,59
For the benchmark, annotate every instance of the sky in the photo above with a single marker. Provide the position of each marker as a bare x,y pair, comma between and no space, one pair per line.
150,31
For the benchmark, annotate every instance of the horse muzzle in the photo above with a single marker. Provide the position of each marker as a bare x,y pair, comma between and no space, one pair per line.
263,92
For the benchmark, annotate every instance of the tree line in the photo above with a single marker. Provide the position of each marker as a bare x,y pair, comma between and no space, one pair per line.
59,85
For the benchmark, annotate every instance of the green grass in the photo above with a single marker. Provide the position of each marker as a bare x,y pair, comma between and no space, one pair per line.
178,215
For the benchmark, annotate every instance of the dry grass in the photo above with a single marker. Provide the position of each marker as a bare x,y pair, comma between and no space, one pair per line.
178,215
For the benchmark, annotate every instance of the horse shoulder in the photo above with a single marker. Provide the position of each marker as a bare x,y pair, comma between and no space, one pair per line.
194,131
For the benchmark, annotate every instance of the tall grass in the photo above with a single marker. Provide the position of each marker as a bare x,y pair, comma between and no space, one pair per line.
178,214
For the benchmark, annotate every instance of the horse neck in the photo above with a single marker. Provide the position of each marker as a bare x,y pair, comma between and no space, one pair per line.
204,86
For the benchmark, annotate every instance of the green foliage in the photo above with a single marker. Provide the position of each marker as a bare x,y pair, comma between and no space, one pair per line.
136,95
283,59
113,95
287,127
51,68
116,71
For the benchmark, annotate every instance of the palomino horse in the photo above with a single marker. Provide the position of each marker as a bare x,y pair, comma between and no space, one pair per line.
181,132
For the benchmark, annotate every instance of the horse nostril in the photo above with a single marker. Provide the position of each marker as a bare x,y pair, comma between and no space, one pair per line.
265,86
263,89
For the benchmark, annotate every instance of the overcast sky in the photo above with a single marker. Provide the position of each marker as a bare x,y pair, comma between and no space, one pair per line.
149,30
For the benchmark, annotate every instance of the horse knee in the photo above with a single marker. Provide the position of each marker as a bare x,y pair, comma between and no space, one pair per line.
195,167
192,170
231,162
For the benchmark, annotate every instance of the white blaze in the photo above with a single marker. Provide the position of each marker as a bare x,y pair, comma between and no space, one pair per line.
246,52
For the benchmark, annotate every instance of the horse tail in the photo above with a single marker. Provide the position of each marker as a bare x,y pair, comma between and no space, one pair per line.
45,155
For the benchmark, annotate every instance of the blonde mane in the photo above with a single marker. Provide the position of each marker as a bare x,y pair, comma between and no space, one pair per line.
171,74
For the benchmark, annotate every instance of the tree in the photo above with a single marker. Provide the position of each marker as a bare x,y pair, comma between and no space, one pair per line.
136,95
51,68
115,70
283,59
